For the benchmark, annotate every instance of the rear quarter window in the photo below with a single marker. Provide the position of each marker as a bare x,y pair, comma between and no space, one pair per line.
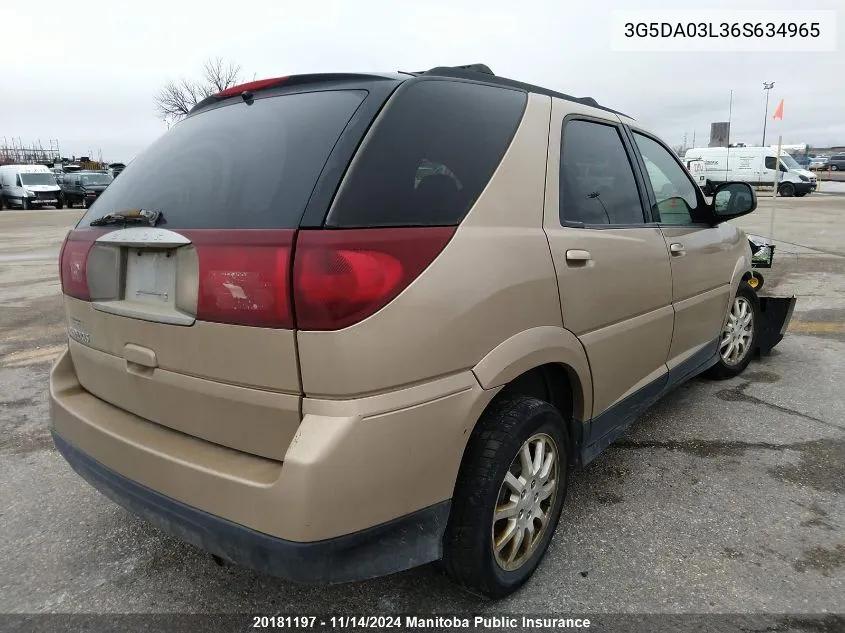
236,166
429,155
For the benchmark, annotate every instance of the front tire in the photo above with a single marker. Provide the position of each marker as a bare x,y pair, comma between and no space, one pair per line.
738,339
834,168
508,497
24,204
787,190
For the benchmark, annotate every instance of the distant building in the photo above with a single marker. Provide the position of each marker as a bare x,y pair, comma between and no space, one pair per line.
826,151
719,134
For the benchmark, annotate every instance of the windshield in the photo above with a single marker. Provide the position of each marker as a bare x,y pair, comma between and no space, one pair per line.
95,179
38,179
790,162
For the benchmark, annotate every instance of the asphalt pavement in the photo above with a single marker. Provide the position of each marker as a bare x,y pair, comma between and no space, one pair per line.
727,497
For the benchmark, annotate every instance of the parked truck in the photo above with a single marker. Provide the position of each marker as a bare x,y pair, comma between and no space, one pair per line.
28,186
754,165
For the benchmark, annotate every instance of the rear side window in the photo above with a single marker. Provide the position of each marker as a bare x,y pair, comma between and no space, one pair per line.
236,166
597,184
429,156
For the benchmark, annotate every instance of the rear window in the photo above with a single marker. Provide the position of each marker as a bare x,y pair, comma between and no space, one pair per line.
429,156
236,166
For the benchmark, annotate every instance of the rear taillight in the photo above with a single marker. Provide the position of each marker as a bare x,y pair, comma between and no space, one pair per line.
73,261
244,276
343,276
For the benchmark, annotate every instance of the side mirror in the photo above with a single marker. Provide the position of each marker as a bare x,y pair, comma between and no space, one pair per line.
733,199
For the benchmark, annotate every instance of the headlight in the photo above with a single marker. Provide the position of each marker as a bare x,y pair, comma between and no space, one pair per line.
804,178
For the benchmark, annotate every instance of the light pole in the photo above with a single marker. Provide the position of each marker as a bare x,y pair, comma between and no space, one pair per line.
767,86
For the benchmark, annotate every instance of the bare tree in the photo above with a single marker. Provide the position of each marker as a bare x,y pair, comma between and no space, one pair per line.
178,96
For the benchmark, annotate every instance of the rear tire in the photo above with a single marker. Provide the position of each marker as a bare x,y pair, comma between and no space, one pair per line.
738,331
787,190
495,450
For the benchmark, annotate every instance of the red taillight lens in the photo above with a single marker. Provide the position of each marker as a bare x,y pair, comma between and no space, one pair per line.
73,261
244,276
343,276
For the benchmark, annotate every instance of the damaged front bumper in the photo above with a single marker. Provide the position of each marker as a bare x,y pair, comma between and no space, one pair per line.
775,312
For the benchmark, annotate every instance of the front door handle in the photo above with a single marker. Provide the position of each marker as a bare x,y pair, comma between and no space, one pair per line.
575,255
677,249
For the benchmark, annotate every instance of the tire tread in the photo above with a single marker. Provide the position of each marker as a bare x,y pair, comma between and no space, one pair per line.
462,547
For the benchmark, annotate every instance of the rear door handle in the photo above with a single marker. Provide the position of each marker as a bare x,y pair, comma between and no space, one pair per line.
575,255
677,249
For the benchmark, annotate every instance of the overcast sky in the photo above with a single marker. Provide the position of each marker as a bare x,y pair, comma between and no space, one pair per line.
85,73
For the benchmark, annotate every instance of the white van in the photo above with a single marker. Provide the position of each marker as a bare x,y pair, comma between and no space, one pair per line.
698,170
28,186
754,165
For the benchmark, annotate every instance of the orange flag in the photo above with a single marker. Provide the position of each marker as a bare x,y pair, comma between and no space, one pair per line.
779,111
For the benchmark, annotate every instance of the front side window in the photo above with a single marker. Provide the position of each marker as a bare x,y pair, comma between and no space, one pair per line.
597,184
674,192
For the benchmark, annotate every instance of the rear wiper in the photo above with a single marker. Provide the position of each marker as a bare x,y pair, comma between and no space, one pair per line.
136,216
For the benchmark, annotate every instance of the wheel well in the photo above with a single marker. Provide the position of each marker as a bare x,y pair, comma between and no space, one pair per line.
555,384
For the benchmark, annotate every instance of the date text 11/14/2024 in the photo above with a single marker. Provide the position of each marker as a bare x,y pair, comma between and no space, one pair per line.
416,622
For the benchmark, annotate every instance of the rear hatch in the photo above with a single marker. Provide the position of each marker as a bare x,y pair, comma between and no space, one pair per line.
187,321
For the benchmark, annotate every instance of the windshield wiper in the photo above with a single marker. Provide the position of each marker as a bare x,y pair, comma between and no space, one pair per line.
137,216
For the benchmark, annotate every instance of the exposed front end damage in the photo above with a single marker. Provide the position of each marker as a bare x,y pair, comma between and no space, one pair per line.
775,312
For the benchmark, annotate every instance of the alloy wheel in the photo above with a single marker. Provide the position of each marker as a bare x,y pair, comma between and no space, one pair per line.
525,501
738,333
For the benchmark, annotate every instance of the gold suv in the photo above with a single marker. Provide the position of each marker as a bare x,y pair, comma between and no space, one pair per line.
335,326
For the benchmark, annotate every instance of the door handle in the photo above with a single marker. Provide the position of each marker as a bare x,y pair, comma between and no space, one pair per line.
677,249
575,255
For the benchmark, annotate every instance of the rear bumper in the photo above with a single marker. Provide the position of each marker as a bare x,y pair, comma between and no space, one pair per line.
365,483
405,542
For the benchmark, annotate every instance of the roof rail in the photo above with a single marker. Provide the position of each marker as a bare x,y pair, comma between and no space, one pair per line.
476,72
478,68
